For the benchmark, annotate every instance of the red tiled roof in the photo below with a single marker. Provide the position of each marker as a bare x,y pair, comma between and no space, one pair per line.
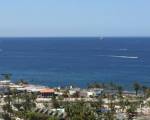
47,90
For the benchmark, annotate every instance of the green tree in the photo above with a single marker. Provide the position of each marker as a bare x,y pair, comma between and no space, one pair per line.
95,85
144,89
136,87
120,90
131,110
28,101
79,111
21,81
7,108
55,102
6,76
36,116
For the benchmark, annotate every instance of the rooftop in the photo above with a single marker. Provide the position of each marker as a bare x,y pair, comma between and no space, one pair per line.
47,90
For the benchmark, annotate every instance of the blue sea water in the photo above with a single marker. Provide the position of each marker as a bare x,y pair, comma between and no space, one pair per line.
76,61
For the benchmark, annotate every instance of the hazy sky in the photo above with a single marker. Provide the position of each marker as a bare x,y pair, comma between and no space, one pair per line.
74,18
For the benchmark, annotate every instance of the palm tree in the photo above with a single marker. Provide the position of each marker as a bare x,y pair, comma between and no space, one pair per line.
26,103
21,81
136,87
148,103
38,116
88,114
7,76
144,89
7,107
79,111
112,85
122,104
141,103
110,114
131,110
95,85
55,102
119,89
98,106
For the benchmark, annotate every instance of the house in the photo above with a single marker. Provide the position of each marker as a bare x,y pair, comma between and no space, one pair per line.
47,92
73,91
85,93
90,92
30,88
98,92
5,83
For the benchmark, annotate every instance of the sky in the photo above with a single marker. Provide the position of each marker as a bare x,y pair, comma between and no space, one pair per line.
58,18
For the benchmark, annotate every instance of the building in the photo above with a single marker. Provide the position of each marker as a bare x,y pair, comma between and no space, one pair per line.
31,88
47,92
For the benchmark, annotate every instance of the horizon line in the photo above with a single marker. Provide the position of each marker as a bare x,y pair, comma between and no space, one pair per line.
74,36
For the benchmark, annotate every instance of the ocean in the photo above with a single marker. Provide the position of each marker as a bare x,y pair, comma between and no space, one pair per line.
76,61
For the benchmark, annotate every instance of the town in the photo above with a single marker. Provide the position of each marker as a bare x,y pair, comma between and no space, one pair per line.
24,101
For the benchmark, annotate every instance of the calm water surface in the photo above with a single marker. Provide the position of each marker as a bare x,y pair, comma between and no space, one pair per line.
77,61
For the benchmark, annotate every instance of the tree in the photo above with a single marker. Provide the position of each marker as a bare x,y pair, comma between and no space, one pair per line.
122,104
79,111
21,81
136,87
144,89
6,116
55,102
37,116
99,107
112,86
7,76
141,103
7,107
95,85
110,115
7,112
23,103
119,89
28,101
131,110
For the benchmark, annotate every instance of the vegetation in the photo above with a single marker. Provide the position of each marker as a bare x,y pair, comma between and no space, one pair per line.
136,87
79,111
23,104
21,81
6,76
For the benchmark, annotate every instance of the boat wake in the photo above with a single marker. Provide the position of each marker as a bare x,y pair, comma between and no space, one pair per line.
128,57
125,57
124,49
